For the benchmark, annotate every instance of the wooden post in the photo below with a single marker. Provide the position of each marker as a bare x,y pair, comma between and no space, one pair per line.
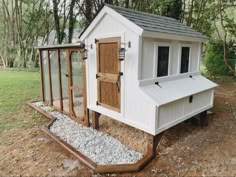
41,74
95,119
203,119
153,142
59,78
69,74
50,79
86,111
86,120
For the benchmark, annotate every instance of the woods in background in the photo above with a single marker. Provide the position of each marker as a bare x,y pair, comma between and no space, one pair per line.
28,23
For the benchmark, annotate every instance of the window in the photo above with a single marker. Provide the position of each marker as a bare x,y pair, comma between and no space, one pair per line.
163,61
184,59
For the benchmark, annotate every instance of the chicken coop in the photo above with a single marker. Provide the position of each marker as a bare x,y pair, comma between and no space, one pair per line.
138,68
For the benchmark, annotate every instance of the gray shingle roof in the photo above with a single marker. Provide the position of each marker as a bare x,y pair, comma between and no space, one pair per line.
157,23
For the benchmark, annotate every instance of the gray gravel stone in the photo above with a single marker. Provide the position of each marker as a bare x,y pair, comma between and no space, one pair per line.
98,146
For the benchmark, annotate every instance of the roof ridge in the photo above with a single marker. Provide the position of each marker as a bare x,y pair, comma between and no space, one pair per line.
137,11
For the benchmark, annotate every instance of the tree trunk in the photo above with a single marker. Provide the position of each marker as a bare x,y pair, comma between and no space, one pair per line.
88,11
57,21
225,39
71,21
3,62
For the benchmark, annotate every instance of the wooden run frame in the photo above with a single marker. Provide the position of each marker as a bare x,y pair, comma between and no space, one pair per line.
69,49
153,141
117,168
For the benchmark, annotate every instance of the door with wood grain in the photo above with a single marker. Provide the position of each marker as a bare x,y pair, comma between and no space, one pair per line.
108,73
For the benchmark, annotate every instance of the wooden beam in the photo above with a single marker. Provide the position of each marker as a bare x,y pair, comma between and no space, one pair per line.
118,168
82,158
41,111
203,119
50,79
86,110
95,119
41,74
153,142
70,94
59,79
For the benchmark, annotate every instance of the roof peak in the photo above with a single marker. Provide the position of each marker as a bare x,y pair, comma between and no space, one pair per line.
156,23
138,11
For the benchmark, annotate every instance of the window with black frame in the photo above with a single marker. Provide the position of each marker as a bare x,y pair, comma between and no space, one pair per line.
185,51
163,61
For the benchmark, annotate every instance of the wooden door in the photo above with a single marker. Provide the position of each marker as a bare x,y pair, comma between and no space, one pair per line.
108,73
76,85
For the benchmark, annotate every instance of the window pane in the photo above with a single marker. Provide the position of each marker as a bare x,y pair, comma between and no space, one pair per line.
64,81
76,67
163,61
184,59
55,78
78,104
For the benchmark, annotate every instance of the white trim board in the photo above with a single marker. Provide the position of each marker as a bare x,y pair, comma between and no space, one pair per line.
155,67
180,46
172,37
166,78
117,116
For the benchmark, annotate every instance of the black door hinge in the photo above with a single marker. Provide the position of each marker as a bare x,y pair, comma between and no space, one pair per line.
121,73
97,76
96,41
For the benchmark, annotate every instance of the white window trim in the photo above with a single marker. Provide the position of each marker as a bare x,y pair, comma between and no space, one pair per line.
179,57
161,44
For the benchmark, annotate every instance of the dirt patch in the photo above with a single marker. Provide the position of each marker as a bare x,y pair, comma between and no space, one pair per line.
185,150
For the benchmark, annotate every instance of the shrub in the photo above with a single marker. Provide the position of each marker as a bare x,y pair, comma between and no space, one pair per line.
214,58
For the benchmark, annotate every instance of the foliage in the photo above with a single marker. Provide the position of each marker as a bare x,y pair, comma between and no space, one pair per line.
27,23
214,58
17,88
22,24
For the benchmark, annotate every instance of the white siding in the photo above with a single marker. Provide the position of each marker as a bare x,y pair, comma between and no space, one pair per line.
177,111
147,61
136,108
139,109
174,60
148,56
195,57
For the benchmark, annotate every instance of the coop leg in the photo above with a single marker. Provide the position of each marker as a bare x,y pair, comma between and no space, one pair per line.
203,119
86,119
154,141
95,119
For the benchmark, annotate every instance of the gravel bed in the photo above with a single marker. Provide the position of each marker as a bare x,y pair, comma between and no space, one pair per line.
98,146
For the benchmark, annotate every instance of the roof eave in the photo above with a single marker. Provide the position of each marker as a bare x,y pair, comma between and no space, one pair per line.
174,36
107,10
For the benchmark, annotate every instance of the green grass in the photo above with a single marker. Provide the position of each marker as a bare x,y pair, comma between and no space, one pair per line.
16,88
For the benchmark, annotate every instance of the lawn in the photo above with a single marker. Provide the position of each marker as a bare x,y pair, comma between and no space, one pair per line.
16,88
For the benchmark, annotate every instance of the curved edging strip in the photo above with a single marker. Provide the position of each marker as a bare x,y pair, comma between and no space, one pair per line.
119,168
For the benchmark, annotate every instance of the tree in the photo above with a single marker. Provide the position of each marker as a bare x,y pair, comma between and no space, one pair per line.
21,27
65,14
214,58
228,25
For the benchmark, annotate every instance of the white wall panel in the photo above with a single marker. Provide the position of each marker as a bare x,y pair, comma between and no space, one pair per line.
136,110
181,109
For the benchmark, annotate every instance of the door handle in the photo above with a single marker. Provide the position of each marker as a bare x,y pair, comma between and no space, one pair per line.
67,75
